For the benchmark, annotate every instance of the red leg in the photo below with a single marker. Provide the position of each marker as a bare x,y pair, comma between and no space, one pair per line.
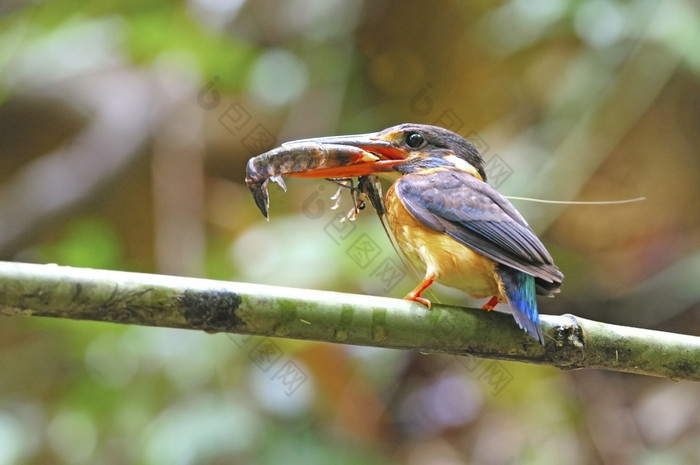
491,304
414,295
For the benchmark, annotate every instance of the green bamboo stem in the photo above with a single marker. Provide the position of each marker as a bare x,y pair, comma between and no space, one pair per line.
218,306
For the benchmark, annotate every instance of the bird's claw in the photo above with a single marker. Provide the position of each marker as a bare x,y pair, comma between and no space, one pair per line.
420,300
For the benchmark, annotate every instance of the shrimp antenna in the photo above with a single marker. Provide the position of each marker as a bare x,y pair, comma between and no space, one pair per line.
575,202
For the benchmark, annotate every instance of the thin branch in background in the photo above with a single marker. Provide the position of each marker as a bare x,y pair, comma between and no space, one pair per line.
178,192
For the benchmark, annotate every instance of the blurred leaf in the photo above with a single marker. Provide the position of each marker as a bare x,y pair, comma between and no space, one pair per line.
164,29
89,243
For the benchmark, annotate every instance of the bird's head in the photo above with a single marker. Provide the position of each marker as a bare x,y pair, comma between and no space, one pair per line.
431,147
410,148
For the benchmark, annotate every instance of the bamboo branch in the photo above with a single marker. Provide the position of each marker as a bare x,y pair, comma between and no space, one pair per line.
217,306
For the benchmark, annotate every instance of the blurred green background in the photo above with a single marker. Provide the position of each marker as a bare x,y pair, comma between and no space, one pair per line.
124,132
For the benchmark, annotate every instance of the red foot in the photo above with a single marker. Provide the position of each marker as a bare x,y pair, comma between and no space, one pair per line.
414,295
491,304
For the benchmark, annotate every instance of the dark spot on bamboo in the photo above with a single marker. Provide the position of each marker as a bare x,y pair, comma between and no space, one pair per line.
685,369
212,312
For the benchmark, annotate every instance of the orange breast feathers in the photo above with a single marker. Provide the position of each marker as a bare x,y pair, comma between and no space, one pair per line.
433,252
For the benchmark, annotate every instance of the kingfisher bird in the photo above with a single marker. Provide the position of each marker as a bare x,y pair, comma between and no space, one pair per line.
448,222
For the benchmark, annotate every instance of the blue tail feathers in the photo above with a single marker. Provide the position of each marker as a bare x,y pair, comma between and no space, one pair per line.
520,291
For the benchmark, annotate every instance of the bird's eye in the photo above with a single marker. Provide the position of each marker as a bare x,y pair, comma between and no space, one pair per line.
414,139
